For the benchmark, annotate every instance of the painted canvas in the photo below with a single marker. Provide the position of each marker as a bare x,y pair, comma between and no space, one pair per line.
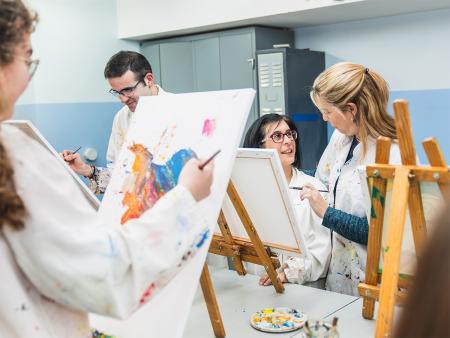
165,132
431,200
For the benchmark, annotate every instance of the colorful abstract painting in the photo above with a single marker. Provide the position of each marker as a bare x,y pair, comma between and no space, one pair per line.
148,182
165,133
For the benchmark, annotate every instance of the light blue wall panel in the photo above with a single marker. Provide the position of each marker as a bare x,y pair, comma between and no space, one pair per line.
67,126
430,116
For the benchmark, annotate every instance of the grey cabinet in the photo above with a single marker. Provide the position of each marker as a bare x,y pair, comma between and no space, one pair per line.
177,71
212,61
151,51
206,64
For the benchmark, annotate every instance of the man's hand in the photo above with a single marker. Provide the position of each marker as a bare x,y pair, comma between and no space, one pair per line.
76,163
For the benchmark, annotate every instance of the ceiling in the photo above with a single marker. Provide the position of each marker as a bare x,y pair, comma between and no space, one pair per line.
341,11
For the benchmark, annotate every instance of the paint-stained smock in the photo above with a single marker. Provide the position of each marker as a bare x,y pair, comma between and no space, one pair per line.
66,262
348,258
119,130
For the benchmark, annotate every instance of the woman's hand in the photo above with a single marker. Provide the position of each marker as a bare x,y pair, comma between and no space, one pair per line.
316,201
197,181
265,280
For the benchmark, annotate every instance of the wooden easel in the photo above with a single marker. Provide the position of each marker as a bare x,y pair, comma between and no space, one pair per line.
239,250
405,194
211,303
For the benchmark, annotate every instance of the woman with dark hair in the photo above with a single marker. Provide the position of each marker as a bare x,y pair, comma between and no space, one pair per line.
273,131
58,260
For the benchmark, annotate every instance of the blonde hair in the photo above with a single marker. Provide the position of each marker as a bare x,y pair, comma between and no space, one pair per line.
347,82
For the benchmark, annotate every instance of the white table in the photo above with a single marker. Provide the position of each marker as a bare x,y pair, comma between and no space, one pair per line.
239,297
351,323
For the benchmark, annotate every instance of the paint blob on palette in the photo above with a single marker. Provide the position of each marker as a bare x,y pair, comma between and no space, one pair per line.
279,319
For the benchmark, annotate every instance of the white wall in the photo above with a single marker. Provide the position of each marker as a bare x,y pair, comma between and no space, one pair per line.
411,51
73,41
139,18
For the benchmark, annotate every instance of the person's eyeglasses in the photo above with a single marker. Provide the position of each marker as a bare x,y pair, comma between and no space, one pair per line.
32,67
128,91
278,136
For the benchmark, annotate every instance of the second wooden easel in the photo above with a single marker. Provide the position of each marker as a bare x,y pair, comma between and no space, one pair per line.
239,249
253,251
406,193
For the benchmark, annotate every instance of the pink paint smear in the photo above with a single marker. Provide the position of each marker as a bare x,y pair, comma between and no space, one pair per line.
209,125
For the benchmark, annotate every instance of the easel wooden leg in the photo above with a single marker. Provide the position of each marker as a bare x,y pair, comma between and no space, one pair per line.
436,159
389,281
211,303
417,216
222,222
408,154
253,235
374,245
378,196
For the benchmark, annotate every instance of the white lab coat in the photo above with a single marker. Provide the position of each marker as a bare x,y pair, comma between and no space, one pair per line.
348,259
66,262
311,267
119,130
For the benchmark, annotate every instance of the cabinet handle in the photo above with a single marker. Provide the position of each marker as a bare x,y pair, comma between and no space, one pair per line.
252,62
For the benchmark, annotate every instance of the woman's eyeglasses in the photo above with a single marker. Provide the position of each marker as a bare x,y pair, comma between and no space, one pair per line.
278,136
32,66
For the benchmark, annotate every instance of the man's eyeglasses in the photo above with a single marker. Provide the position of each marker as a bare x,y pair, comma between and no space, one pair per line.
278,136
128,91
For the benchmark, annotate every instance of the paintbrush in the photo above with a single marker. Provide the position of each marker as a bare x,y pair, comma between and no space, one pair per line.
301,188
201,166
76,150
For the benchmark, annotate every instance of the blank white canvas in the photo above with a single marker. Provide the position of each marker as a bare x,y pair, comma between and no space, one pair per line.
261,185
164,124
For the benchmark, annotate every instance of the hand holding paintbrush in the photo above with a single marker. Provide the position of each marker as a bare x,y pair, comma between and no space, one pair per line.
197,176
315,198
75,162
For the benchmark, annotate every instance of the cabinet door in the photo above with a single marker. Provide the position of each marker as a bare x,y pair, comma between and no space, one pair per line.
236,55
177,71
151,52
207,64
237,65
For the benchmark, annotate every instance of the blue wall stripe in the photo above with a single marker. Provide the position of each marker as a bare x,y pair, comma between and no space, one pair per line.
430,116
69,125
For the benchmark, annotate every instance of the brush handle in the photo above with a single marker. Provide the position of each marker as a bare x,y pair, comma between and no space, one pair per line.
301,188
201,166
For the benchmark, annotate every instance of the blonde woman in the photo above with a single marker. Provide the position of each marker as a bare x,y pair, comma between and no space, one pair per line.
353,99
